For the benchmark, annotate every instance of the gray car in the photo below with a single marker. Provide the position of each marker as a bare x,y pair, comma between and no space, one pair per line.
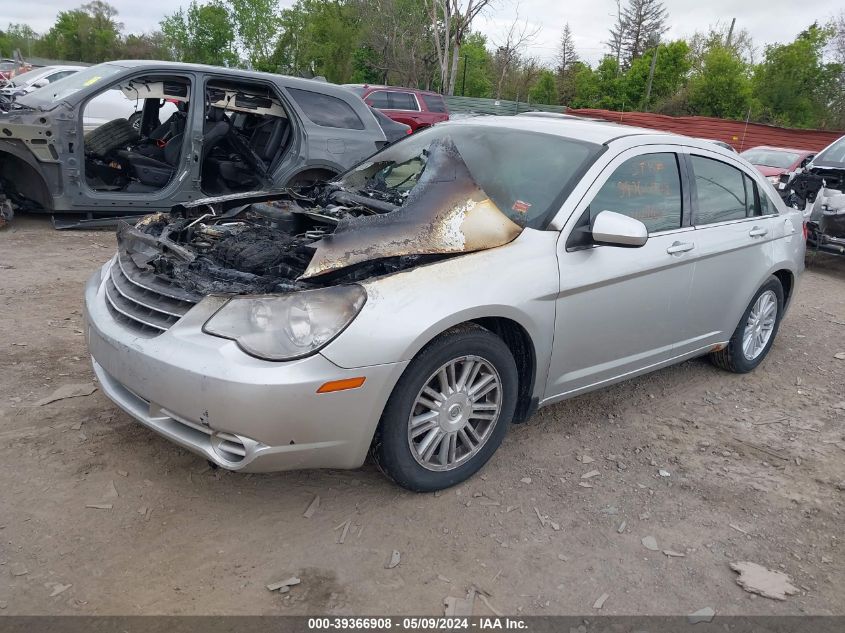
438,292
183,132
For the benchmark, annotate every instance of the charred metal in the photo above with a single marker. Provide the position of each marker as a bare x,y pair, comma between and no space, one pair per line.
319,236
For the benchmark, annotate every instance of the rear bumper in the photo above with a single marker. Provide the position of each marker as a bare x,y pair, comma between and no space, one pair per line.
204,394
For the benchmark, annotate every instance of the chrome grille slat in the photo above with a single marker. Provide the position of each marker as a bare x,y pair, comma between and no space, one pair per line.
146,298
148,320
149,282
141,300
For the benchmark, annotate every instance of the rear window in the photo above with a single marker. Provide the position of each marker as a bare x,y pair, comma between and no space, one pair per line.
402,101
723,192
434,103
526,174
325,110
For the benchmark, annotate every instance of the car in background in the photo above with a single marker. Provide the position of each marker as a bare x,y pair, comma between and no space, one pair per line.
416,306
9,67
393,130
773,162
200,131
23,83
417,109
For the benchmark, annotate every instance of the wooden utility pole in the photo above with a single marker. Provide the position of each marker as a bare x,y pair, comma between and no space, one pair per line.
651,76
730,33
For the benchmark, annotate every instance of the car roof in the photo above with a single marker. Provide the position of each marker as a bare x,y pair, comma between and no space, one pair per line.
381,87
590,131
235,73
780,149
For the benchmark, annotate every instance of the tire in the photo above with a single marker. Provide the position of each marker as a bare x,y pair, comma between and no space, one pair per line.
109,136
135,122
734,357
401,457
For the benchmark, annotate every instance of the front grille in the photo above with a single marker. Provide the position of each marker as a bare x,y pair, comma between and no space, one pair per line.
142,300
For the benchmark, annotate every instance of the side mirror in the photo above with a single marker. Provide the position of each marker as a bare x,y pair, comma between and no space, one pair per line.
40,83
614,229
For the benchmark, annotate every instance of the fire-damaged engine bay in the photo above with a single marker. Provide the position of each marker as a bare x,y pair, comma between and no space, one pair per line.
820,192
383,217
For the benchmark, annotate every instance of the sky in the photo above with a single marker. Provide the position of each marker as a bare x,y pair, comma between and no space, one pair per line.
768,21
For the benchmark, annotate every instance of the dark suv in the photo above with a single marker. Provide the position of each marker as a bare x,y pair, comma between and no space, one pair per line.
196,131
417,109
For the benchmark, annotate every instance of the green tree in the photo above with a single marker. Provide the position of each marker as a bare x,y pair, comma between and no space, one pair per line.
670,73
90,33
477,80
204,34
722,87
257,24
793,86
545,90
17,37
146,46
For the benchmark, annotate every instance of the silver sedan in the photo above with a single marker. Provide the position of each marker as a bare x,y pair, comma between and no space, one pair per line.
442,290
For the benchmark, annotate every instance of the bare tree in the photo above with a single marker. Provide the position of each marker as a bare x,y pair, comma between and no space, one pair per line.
509,51
451,20
644,23
617,32
566,54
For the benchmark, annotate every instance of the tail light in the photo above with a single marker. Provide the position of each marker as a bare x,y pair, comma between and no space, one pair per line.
805,231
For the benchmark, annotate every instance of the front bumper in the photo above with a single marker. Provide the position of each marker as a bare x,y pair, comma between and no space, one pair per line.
242,413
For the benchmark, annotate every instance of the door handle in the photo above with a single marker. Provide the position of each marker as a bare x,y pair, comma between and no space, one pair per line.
680,247
758,232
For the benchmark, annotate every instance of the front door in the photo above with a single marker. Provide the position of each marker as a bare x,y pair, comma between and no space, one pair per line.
623,310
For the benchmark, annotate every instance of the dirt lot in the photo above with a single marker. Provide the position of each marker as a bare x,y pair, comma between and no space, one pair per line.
756,464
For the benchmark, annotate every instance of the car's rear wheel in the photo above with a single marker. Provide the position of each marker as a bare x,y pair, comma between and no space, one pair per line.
756,332
449,412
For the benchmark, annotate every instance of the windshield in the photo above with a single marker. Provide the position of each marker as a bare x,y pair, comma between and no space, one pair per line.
30,75
771,158
526,174
63,88
835,154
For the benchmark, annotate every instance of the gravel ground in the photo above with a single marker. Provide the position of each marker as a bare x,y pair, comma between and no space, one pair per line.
755,463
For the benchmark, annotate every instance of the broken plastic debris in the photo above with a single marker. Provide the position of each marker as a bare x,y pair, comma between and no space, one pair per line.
68,391
757,579
59,588
284,586
598,604
394,560
649,542
99,506
312,507
673,554
663,473
592,473
702,615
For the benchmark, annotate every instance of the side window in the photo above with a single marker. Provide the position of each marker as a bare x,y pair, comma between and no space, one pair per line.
434,103
752,202
767,207
647,188
402,101
326,110
723,192
378,99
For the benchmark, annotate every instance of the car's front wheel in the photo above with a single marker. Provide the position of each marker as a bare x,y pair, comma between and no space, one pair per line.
755,334
449,411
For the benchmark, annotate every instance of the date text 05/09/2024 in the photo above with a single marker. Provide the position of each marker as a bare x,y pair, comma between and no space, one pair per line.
416,623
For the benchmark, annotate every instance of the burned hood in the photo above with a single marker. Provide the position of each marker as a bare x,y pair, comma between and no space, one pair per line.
447,212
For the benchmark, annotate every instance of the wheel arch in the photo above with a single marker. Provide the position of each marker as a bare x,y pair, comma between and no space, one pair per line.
787,282
25,177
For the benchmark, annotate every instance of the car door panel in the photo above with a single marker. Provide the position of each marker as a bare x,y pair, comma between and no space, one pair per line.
622,310
732,261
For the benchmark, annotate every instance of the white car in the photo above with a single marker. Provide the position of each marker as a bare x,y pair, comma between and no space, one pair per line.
36,78
118,104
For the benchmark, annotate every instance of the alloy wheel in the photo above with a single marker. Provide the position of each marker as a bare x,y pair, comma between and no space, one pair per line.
454,413
760,325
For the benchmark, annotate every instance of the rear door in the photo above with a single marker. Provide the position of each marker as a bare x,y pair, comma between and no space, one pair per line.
620,310
734,228
399,105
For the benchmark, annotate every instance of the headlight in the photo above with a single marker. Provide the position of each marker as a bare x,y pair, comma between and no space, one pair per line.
289,326
773,179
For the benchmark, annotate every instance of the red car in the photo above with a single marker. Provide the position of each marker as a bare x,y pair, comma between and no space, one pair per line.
417,109
772,162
